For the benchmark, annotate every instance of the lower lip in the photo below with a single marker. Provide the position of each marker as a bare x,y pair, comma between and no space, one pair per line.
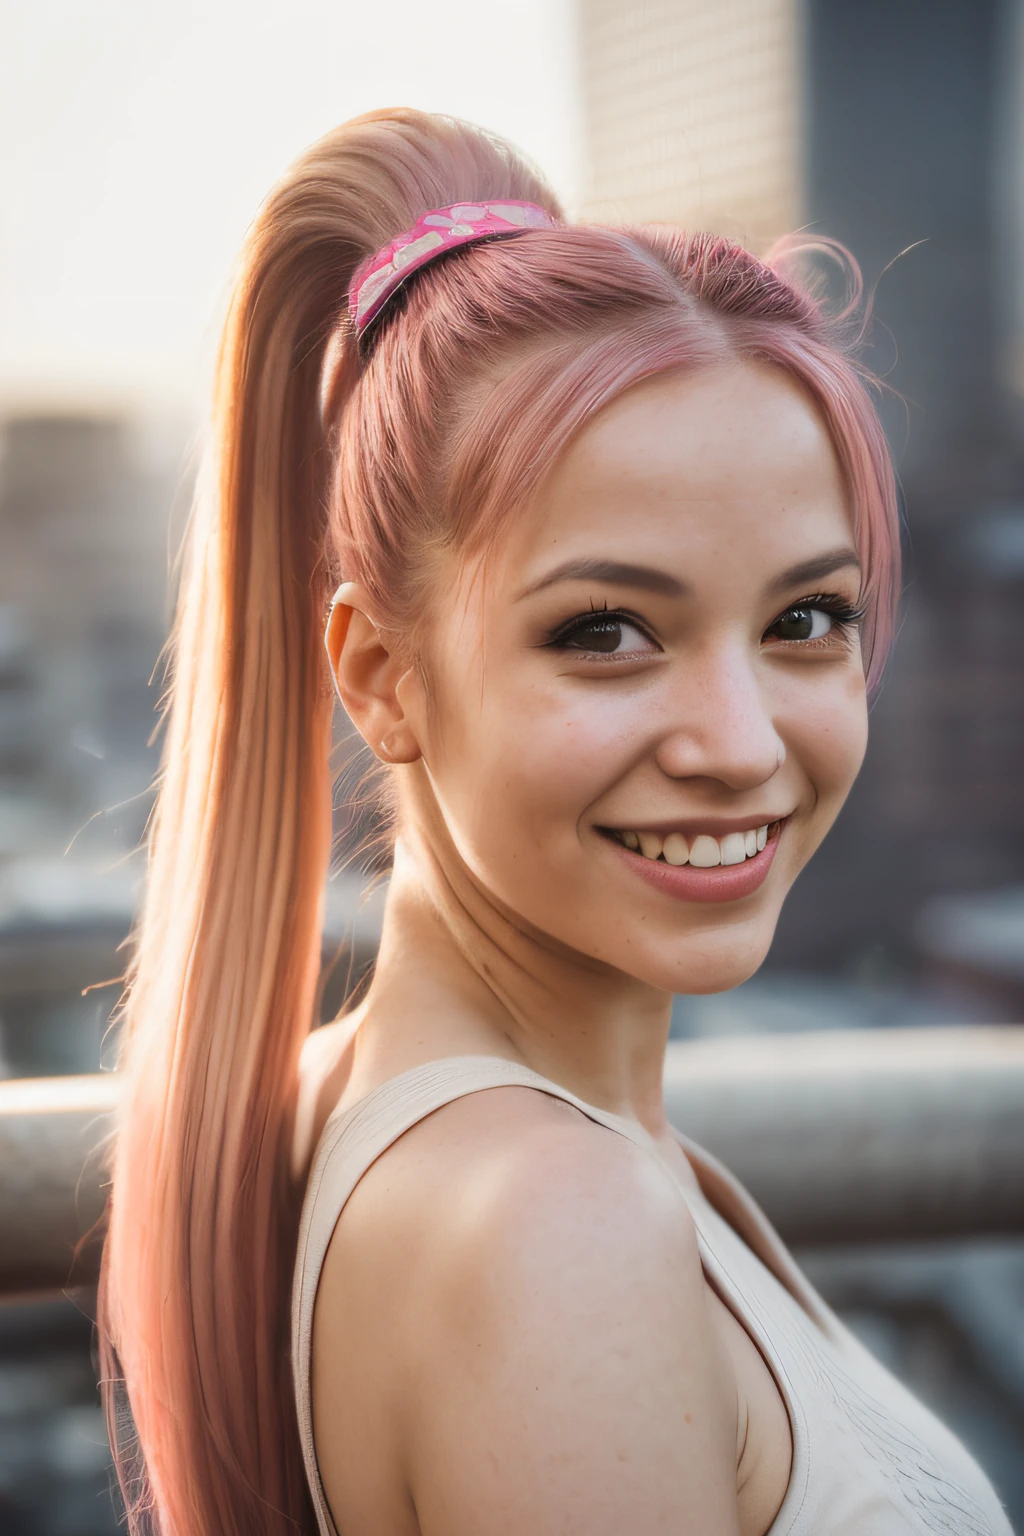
729,882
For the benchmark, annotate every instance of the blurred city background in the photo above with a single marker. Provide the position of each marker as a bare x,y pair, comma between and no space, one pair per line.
137,143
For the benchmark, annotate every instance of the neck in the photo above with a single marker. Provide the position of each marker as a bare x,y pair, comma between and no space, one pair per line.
458,974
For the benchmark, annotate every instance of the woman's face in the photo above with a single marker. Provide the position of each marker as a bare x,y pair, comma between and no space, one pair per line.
649,711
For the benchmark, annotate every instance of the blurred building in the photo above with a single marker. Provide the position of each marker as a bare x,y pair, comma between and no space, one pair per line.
896,127
693,113
83,613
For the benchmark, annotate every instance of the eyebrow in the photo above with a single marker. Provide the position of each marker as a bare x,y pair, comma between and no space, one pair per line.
646,577
816,569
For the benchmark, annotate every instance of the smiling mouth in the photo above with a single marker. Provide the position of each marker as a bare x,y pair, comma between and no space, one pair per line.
702,850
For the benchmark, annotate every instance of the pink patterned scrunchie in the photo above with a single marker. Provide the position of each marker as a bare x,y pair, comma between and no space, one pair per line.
434,234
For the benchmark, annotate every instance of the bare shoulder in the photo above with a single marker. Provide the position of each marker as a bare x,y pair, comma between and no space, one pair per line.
510,1169
513,1165
522,1288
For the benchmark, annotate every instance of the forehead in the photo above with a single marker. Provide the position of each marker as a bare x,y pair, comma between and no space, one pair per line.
730,460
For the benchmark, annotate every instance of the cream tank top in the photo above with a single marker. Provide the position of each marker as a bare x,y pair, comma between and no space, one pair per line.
868,1458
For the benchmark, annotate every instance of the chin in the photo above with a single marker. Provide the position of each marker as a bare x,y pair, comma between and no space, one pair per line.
718,963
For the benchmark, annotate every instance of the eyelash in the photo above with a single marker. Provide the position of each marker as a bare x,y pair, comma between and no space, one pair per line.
565,632
844,614
839,609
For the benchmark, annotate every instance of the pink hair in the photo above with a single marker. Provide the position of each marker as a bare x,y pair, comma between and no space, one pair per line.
324,465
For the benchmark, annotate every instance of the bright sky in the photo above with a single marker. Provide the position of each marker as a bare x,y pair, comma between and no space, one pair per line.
137,140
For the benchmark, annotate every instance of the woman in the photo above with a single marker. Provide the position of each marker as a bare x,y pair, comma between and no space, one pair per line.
611,531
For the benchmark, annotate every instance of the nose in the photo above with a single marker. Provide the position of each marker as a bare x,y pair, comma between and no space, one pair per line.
720,724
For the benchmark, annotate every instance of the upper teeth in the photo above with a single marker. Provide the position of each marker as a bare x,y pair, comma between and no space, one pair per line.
703,852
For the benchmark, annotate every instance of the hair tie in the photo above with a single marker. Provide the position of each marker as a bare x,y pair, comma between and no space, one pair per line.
434,234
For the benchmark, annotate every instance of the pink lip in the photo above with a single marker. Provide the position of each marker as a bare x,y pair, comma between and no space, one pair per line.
730,882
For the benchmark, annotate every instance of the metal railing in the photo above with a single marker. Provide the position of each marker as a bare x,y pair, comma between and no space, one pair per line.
844,1136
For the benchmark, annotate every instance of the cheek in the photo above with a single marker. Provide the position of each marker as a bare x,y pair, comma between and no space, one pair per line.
533,759
826,728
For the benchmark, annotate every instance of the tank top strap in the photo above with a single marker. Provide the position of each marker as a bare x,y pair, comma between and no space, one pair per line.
351,1141
723,1194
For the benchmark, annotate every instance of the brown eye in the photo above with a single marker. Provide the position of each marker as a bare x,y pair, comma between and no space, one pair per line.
605,634
802,623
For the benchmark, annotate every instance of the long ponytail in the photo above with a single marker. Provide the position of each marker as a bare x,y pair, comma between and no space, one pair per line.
195,1287
200,1247
197,1266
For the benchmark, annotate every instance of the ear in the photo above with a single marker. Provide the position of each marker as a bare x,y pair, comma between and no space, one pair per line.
367,676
